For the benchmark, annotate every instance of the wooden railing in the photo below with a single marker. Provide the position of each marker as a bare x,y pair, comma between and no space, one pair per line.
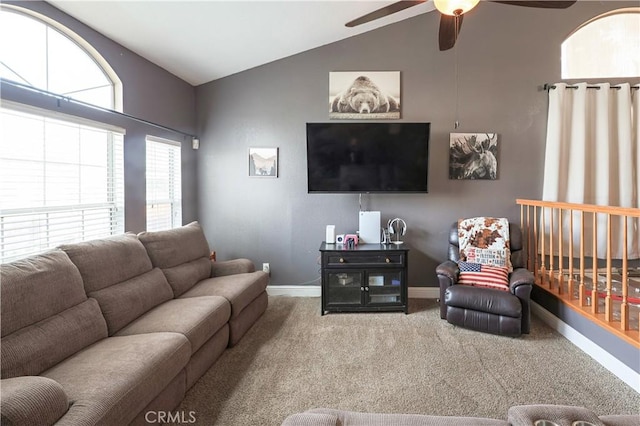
587,256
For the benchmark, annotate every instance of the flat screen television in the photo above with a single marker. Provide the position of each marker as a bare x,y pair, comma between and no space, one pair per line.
367,157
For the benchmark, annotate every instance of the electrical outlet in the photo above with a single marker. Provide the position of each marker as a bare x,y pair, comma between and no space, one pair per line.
266,268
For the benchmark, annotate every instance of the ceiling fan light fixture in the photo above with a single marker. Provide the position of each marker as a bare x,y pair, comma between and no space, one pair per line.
454,7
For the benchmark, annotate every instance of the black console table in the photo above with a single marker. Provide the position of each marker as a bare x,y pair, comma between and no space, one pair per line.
367,278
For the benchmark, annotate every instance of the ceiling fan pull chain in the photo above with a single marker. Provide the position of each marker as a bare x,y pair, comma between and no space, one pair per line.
456,123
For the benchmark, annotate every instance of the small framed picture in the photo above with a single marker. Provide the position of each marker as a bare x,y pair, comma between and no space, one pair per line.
473,156
263,162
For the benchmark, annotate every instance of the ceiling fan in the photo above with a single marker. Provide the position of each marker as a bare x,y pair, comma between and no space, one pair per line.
452,12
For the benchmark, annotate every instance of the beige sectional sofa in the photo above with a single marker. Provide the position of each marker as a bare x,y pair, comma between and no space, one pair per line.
105,331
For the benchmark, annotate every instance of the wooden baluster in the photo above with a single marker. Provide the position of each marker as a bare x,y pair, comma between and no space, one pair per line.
608,312
624,306
560,254
594,266
543,270
535,242
551,245
571,280
581,288
529,251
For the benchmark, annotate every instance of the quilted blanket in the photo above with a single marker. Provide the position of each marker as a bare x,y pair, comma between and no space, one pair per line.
485,240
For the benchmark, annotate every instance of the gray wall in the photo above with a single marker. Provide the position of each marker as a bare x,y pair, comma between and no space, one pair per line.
505,54
150,93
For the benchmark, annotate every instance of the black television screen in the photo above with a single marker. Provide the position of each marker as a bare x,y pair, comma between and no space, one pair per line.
367,157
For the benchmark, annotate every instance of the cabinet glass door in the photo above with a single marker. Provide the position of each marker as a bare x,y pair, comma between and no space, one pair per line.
384,287
344,288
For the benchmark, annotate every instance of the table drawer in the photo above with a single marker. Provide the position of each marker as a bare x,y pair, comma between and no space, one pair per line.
364,259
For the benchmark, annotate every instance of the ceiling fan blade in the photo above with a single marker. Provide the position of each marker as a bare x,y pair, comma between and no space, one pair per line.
540,4
447,34
384,11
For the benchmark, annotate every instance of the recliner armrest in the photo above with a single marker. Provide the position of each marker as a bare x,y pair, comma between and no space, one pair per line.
448,269
520,276
232,267
32,400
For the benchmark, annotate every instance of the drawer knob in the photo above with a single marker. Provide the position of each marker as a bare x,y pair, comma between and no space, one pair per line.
341,260
361,288
388,260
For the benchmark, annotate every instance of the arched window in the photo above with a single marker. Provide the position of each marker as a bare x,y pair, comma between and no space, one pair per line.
41,53
607,46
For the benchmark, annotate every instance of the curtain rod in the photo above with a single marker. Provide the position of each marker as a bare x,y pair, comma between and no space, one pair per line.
548,86
88,105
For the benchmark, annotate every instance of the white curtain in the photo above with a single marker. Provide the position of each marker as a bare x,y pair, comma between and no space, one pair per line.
592,157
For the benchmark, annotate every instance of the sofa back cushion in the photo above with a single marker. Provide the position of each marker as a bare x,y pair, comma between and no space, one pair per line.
45,314
117,272
182,254
108,261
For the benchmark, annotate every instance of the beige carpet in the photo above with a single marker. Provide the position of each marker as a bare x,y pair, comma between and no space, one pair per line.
293,359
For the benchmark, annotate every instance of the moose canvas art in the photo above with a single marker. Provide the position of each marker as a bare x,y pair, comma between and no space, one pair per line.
473,156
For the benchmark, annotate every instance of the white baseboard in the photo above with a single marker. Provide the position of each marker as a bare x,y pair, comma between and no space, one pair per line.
604,358
294,290
314,291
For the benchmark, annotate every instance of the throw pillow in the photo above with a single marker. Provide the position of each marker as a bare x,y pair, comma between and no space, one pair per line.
485,240
477,275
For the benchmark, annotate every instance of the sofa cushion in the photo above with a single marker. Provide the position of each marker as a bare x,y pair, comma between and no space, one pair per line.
124,302
108,261
240,289
32,400
198,318
33,349
175,246
182,254
36,288
111,381
184,276
117,272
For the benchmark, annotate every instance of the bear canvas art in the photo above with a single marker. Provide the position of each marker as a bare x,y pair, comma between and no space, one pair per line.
364,95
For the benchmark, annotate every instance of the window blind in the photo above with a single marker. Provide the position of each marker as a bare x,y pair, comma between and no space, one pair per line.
61,181
164,184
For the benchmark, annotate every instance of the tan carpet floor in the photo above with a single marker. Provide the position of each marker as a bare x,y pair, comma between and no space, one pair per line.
293,359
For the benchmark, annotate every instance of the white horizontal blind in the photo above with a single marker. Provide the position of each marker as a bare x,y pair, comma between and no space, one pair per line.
61,181
164,184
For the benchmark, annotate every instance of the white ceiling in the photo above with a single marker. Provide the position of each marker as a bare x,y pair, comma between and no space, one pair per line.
200,41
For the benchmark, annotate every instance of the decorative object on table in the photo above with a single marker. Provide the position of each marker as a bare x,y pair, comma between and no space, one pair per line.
330,235
350,241
263,162
385,238
371,95
397,227
473,156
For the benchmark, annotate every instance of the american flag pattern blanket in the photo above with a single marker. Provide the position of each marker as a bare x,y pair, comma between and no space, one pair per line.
478,275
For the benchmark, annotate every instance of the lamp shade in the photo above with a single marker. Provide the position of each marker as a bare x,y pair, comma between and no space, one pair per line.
455,7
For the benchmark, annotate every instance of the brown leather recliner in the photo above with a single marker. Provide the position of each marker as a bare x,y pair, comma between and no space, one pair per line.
485,309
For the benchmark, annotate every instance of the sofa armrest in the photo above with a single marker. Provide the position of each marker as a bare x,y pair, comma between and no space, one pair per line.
231,267
32,400
448,273
520,276
558,414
